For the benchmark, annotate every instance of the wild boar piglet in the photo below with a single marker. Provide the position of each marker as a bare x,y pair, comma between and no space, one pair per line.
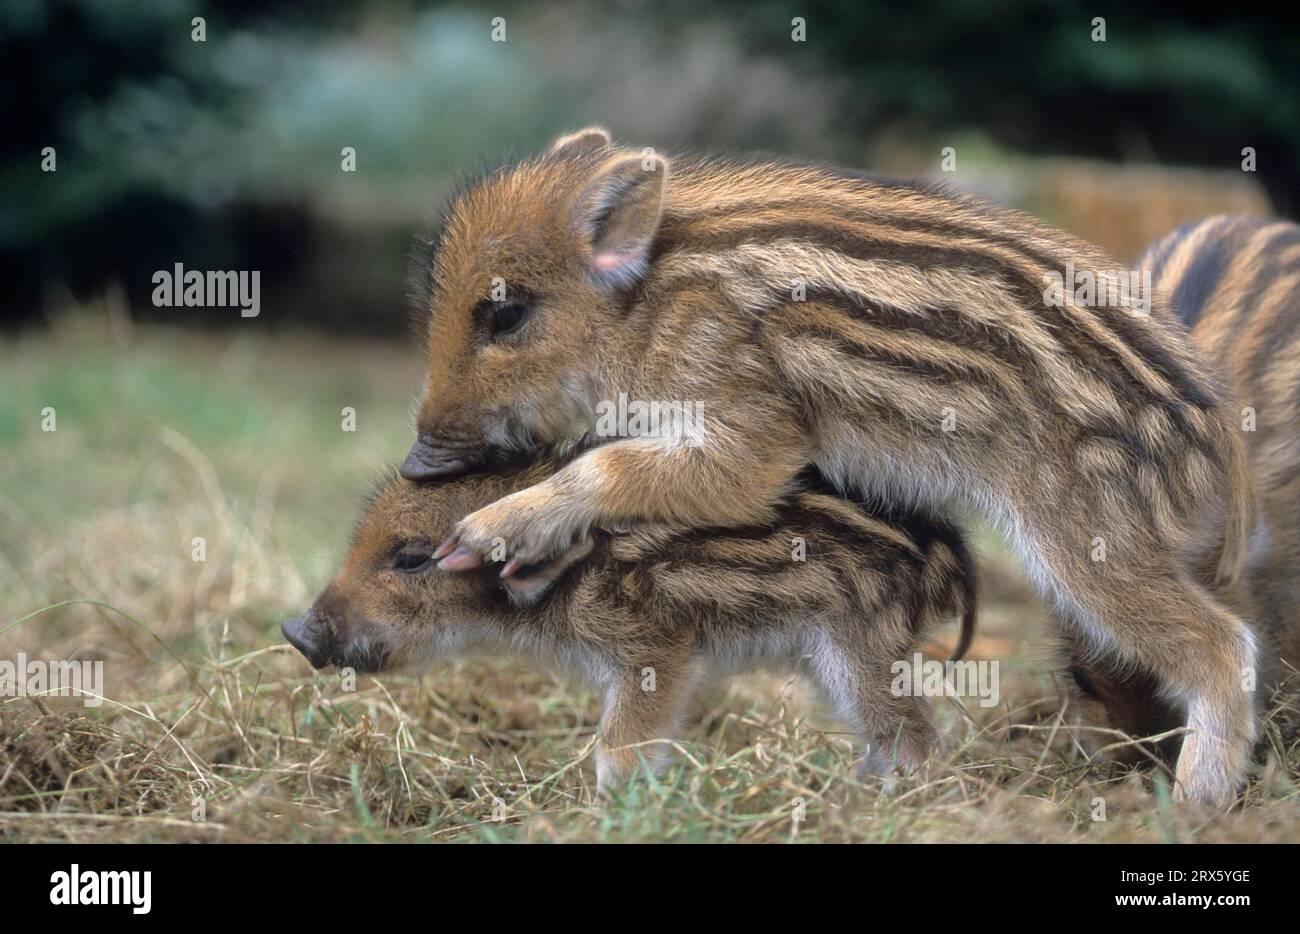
820,584
914,343
1232,280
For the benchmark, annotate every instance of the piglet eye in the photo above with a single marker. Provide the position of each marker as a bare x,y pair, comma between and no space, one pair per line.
412,561
507,317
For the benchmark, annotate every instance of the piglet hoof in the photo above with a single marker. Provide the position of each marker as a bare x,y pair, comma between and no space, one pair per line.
905,757
529,584
1204,778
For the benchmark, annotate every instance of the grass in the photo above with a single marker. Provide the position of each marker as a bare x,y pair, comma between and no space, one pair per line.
213,729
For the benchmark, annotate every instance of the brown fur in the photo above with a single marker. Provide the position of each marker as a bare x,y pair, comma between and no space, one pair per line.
1236,282
676,601
679,281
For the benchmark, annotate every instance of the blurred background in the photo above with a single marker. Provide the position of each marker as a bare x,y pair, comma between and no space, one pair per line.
226,153
174,482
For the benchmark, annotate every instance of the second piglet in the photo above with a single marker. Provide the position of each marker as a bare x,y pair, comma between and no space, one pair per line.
823,584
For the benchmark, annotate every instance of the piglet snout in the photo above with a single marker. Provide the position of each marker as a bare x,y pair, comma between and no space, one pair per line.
310,635
428,461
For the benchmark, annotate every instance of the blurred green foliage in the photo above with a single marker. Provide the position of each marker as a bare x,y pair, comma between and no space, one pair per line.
226,153
1182,84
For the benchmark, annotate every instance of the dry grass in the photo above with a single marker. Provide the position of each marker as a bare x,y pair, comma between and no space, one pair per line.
165,436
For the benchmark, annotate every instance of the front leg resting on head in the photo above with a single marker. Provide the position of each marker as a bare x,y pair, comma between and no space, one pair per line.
730,479
526,587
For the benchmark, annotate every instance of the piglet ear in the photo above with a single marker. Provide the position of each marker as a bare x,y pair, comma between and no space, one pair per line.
580,141
618,215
